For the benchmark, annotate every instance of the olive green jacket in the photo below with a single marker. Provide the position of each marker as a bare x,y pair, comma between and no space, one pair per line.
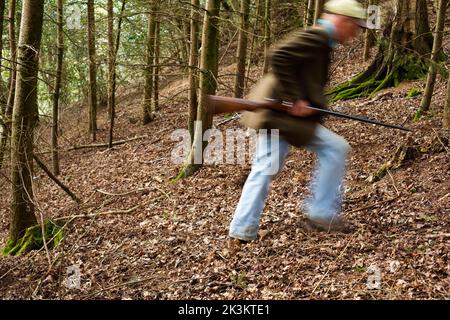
299,71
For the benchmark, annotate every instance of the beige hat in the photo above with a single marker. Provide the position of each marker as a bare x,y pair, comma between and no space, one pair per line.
349,8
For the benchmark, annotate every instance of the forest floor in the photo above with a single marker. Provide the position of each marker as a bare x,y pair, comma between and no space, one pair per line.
144,237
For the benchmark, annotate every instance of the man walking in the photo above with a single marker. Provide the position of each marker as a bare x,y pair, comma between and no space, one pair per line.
299,74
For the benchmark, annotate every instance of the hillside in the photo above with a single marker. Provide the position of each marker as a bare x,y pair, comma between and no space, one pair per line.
145,237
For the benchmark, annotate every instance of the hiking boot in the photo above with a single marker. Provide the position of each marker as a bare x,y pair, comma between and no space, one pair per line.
337,224
235,244
237,241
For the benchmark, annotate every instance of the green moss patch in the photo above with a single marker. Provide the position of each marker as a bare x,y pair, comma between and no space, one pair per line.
414,92
33,239
368,83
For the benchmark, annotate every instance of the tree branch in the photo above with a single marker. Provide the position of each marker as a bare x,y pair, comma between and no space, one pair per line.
105,145
55,179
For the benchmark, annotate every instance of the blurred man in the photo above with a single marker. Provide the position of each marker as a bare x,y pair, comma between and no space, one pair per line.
299,74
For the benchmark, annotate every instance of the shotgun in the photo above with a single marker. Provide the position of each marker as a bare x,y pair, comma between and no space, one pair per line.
220,105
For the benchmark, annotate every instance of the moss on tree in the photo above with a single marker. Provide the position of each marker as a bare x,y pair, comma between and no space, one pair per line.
403,52
381,75
33,239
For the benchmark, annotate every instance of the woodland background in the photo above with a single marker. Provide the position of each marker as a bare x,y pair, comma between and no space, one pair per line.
90,92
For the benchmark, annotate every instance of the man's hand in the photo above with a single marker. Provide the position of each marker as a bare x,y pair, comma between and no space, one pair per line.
300,109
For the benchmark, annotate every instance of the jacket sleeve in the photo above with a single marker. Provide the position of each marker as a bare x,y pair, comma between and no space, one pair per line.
290,55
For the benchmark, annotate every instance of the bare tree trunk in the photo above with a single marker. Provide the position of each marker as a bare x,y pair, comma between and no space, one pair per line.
111,67
24,119
185,36
92,70
193,67
446,120
147,107
208,84
318,10
267,22
13,49
112,76
156,62
242,49
56,94
436,5
309,13
252,40
12,78
437,48
369,39
3,88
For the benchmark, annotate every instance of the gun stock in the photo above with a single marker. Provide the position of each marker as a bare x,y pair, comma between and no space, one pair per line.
218,105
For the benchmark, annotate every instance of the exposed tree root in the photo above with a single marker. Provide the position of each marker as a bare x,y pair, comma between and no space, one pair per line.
408,152
381,74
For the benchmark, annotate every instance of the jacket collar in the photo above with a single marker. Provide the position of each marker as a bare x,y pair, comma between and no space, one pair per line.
331,31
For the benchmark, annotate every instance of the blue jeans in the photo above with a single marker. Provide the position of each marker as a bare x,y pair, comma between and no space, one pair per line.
271,152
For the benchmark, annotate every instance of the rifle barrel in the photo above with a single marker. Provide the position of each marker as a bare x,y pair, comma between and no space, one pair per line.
352,117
